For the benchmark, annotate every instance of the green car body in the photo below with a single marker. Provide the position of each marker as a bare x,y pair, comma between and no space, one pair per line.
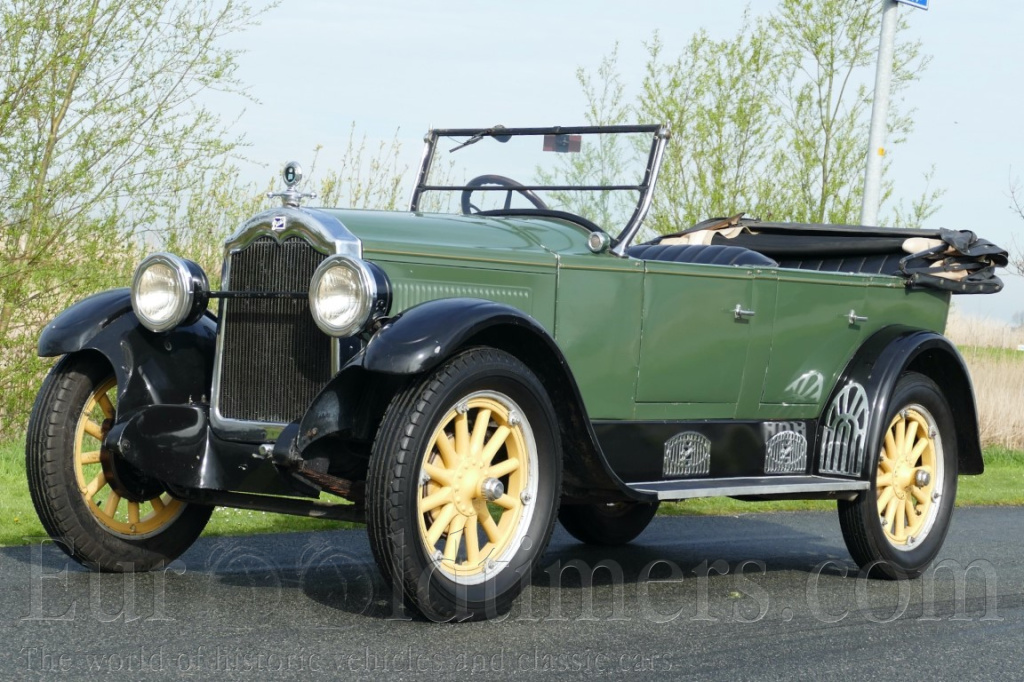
630,330
465,378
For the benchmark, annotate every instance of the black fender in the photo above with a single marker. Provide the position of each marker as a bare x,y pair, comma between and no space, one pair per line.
349,409
878,365
174,367
420,338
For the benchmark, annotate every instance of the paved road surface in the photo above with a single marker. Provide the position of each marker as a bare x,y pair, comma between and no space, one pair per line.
771,596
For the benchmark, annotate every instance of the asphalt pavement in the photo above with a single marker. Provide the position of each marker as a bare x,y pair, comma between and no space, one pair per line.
760,596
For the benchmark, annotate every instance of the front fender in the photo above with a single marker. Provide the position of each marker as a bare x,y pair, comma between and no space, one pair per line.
174,367
420,338
878,365
72,330
412,342
341,422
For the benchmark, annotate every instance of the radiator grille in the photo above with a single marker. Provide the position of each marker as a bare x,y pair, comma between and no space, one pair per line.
274,359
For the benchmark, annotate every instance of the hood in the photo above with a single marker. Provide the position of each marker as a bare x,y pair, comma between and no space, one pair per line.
519,238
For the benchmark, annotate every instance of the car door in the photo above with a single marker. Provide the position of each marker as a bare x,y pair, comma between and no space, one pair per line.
700,322
820,320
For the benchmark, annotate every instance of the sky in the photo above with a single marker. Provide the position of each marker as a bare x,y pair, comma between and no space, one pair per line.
316,67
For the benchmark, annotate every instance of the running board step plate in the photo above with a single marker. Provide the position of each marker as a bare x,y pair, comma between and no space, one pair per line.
756,485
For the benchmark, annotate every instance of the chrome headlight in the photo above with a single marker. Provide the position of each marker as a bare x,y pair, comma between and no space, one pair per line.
167,291
346,294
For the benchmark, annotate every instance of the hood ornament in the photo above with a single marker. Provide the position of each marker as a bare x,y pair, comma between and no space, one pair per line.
290,197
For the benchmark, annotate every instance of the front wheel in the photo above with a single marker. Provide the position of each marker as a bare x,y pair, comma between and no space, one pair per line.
895,529
464,484
80,501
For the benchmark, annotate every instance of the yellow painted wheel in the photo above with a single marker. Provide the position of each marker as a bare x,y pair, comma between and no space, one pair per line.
476,485
908,477
127,518
895,528
83,502
463,486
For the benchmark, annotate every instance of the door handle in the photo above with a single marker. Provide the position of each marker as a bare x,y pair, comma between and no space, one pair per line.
854,318
740,314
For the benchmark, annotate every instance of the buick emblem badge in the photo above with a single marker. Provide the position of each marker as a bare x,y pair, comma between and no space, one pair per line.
278,223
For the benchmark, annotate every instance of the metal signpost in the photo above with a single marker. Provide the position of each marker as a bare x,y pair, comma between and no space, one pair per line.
880,109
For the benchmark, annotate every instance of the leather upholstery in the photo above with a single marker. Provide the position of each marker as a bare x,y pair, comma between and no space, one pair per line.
711,254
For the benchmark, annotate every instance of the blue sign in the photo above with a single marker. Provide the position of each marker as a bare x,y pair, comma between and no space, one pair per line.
920,4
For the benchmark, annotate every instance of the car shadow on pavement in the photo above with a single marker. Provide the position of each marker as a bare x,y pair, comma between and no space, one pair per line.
256,575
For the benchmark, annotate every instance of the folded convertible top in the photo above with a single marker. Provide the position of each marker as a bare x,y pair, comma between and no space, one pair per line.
950,260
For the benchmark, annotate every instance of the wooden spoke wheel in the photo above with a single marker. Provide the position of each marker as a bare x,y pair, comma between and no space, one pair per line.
121,516
464,484
74,484
895,529
476,486
909,477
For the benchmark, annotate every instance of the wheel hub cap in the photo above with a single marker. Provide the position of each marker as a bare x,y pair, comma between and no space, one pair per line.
492,489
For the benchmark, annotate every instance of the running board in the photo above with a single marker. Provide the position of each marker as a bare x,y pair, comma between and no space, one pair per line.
748,486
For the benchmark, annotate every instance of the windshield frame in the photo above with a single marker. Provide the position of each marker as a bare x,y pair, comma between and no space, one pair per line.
659,138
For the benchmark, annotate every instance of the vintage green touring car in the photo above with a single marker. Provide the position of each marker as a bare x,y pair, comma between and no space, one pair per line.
505,354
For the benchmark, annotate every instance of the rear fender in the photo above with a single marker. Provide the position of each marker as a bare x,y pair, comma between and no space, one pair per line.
879,364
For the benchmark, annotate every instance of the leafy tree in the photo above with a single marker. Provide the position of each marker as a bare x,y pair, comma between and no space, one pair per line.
718,96
104,145
828,50
603,160
362,180
771,121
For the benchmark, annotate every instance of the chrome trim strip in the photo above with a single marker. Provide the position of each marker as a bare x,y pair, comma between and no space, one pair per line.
323,231
682,490
326,234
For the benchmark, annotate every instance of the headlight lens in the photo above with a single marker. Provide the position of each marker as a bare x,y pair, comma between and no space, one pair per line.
345,294
168,290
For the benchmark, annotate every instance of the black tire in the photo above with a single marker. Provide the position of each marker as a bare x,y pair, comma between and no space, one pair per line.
895,529
607,524
420,495
95,525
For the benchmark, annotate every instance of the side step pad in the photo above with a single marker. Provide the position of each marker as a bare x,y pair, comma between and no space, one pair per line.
754,485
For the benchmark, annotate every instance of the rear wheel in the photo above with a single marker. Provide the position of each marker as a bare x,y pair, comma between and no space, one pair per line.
615,523
464,485
74,488
895,529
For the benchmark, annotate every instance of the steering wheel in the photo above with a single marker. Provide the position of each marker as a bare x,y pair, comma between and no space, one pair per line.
498,181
